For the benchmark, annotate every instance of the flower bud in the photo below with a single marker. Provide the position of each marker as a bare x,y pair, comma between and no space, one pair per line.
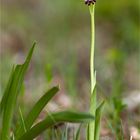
89,2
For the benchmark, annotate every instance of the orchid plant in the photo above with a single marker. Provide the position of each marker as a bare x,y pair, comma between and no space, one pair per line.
93,131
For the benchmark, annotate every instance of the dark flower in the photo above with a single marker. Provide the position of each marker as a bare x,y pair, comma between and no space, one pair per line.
89,2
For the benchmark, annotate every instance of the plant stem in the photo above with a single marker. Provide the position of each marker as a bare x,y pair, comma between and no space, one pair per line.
93,81
93,76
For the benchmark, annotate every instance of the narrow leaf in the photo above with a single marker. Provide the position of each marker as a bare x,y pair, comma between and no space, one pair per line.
22,120
59,117
37,108
91,125
98,121
78,132
65,133
6,92
11,95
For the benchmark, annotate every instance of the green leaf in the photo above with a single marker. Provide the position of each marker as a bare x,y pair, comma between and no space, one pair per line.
78,132
98,121
91,125
22,120
87,137
11,95
37,108
6,92
54,119
65,133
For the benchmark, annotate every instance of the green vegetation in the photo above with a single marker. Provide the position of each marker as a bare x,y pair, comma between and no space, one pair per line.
26,128
93,132
61,67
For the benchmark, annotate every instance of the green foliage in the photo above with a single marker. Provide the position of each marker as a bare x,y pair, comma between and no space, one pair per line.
118,107
10,96
78,133
117,59
26,128
94,126
53,119
91,127
65,134
37,108
98,120
123,32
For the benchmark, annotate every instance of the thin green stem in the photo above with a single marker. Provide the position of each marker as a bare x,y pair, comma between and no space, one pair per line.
94,126
93,76
93,81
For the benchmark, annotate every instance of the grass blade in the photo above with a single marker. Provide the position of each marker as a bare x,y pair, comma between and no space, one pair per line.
34,113
22,120
11,95
98,121
65,133
59,117
78,132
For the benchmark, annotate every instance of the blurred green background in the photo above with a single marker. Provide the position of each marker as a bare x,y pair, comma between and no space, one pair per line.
61,29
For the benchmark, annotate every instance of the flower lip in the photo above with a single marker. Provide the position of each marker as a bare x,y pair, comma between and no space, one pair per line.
89,2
